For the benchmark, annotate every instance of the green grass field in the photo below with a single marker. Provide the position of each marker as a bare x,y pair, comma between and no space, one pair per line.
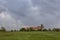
29,35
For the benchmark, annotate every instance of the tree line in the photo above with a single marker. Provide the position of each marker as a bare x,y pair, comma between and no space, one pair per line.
31,29
54,29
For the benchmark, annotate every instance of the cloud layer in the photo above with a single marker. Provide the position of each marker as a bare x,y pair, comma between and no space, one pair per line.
30,12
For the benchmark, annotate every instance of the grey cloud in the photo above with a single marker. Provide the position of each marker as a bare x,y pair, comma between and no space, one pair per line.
34,12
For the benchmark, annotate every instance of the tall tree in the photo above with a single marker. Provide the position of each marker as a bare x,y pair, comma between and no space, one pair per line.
3,29
42,26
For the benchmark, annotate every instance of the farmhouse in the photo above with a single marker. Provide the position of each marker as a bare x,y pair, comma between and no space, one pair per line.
37,28
34,27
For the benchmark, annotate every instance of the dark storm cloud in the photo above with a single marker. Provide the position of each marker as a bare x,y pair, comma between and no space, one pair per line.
33,12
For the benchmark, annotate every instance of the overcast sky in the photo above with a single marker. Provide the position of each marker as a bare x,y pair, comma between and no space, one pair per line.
17,13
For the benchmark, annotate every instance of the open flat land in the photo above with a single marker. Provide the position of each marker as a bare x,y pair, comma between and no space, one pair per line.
29,35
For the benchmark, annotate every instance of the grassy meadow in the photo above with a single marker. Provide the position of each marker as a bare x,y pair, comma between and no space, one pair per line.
29,35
